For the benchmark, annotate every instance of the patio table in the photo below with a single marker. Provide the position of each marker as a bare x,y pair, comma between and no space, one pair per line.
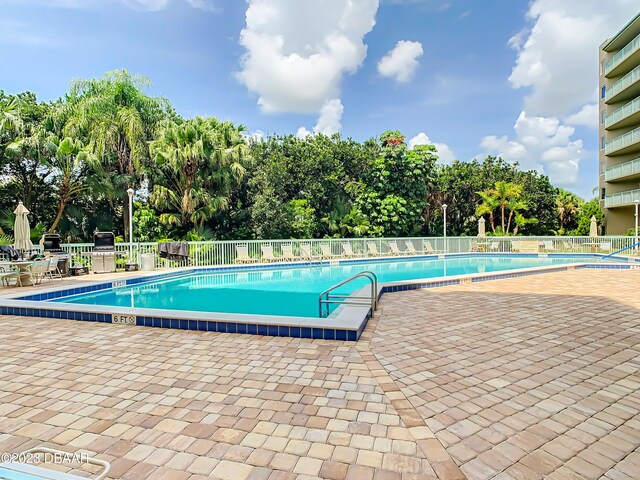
23,267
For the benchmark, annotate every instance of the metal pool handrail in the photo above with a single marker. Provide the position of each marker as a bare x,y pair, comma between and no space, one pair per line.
635,245
327,298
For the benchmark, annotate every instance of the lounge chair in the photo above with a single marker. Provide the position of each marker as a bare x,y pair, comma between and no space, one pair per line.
570,247
548,246
373,249
325,248
306,251
605,246
54,270
515,246
411,250
474,247
529,246
25,470
394,249
38,270
347,251
242,255
426,248
287,252
7,273
494,246
267,253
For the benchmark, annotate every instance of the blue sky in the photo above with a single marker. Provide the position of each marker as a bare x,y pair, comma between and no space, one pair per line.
475,89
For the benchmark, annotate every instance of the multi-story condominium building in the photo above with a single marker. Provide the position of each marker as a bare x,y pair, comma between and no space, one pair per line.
619,130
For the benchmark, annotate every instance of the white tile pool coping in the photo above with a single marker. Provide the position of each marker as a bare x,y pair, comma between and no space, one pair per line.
346,322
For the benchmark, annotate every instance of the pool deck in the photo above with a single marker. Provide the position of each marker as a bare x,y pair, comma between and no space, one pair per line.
521,378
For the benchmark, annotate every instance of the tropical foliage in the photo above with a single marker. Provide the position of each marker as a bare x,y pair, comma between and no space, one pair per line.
71,161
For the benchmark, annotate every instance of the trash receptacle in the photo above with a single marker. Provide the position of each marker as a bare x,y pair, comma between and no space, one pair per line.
148,261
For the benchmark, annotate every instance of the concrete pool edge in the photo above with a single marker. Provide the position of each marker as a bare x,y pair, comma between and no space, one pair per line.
346,323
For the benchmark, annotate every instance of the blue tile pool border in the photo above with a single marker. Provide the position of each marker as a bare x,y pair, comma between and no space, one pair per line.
331,331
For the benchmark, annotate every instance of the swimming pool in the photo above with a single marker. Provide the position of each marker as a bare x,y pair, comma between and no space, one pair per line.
291,291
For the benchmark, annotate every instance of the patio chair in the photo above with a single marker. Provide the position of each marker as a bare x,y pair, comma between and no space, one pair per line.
38,270
529,246
287,252
494,246
411,250
373,249
605,246
28,471
54,270
347,251
267,253
325,248
7,273
427,248
242,255
474,247
548,246
394,248
515,246
306,251
570,246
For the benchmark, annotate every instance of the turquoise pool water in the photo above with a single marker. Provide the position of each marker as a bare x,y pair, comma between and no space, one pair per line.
289,291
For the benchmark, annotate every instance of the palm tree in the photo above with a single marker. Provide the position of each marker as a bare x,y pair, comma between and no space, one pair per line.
118,120
499,197
567,205
200,160
10,117
69,166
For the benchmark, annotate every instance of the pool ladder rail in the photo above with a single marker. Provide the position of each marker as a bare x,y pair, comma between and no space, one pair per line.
328,298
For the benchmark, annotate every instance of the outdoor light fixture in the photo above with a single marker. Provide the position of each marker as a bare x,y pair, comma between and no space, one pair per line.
444,213
130,193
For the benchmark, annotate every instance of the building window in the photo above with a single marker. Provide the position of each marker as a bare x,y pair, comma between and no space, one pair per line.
604,91
602,190
601,142
602,168
602,117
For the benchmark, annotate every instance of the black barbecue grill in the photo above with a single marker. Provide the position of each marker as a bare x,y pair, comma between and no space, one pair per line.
103,256
51,247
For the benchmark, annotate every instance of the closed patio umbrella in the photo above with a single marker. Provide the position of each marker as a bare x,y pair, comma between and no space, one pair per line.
593,229
481,227
21,229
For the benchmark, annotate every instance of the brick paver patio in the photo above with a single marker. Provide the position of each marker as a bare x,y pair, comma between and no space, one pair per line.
529,377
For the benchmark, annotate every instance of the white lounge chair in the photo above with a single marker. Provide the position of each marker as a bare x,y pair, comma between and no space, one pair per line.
427,248
287,252
306,251
7,273
267,253
570,247
494,246
474,246
326,251
515,246
548,246
605,246
411,249
242,255
347,251
373,249
394,248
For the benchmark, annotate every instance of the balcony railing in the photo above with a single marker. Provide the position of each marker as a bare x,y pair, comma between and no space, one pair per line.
623,170
622,198
625,82
623,112
622,55
622,141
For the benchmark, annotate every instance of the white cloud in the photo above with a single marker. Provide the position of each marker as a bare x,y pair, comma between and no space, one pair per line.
445,154
587,116
401,62
298,52
329,120
543,144
557,56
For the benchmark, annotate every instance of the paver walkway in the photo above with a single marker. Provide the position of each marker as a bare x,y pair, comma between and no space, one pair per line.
520,378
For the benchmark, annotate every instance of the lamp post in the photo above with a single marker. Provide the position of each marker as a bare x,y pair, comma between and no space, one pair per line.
636,203
130,193
444,214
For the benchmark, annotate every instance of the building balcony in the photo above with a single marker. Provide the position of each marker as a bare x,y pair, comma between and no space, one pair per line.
625,116
624,171
624,60
627,143
625,88
622,199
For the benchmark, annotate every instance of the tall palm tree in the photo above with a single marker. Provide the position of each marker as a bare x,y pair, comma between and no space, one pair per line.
68,164
498,197
567,205
10,114
200,160
118,120
488,207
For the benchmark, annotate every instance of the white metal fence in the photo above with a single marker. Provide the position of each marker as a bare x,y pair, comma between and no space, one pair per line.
225,252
